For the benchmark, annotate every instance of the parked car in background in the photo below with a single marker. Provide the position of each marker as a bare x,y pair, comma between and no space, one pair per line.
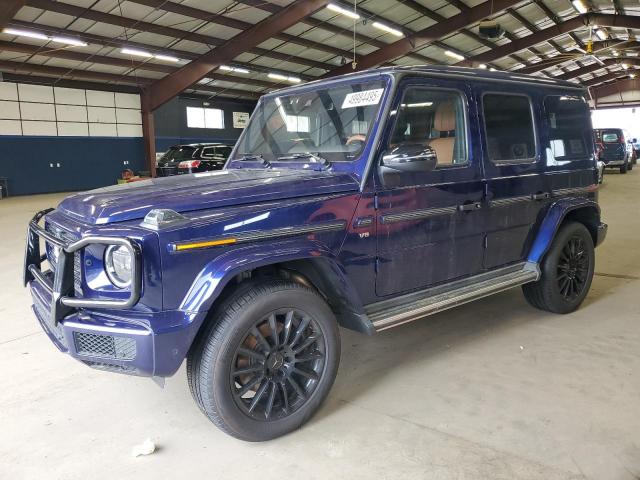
366,201
635,144
197,157
614,149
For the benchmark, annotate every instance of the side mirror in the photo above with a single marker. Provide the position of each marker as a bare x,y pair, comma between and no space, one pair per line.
634,140
410,158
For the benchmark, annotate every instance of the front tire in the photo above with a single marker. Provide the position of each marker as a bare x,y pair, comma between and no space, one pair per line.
267,360
567,271
624,168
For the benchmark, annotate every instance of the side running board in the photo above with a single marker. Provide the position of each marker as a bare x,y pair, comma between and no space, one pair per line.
410,307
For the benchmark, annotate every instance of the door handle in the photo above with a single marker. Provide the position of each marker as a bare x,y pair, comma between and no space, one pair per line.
468,207
540,196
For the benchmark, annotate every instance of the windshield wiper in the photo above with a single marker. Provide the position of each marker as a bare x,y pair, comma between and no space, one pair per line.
308,155
250,157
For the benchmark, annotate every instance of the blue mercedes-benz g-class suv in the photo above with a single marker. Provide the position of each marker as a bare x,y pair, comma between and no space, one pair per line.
366,201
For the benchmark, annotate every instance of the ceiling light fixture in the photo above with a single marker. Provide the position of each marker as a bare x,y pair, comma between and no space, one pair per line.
167,58
25,33
69,41
493,69
632,75
277,76
579,6
388,29
136,53
625,66
343,11
233,69
615,53
483,66
202,81
602,34
455,55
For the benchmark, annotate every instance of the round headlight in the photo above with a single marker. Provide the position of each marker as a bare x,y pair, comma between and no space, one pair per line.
117,263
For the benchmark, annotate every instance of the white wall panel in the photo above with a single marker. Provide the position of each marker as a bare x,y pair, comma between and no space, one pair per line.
37,111
70,96
102,130
9,110
71,113
127,100
10,127
126,115
102,114
39,128
35,93
100,99
8,91
129,130
71,129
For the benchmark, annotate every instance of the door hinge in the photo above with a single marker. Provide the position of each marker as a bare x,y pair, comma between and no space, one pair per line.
376,265
486,242
375,202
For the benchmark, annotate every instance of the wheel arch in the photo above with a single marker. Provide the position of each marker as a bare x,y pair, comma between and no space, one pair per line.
308,263
584,211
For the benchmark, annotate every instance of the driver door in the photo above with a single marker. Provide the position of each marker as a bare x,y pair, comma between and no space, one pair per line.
430,229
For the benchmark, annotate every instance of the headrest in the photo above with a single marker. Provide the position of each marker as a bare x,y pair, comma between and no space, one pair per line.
445,118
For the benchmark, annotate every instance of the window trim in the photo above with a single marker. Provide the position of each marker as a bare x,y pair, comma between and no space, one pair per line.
465,112
511,161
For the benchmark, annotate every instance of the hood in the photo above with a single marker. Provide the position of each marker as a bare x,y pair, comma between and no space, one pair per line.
201,191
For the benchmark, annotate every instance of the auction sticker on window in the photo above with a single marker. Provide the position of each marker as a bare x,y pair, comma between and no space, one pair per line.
362,99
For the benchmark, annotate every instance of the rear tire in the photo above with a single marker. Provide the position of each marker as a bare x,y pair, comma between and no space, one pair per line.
624,168
566,271
266,361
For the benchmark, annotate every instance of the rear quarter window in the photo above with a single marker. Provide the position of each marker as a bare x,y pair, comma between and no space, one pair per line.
569,126
509,127
610,138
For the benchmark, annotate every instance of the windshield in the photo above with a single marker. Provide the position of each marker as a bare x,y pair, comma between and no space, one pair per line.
176,154
331,122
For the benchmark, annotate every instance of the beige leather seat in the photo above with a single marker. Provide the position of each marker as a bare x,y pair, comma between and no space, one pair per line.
445,122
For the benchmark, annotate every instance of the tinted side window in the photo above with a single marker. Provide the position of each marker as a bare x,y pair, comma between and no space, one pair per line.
223,152
509,127
432,118
207,152
568,121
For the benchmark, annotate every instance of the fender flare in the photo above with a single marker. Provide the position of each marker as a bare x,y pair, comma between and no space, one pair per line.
215,275
554,217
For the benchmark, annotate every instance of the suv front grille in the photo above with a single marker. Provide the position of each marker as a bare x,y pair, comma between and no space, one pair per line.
105,346
67,237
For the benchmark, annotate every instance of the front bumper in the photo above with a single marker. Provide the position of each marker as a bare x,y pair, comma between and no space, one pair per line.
144,344
96,331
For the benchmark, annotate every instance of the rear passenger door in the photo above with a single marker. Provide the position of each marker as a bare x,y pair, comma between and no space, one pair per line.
430,227
516,186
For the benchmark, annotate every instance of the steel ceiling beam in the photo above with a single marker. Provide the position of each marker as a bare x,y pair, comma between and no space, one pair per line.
66,73
619,87
209,40
594,67
81,84
8,10
428,35
168,87
77,56
617,75
549,33
314,22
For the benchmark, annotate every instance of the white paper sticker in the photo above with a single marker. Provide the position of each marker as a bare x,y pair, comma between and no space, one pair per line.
361,99
240,119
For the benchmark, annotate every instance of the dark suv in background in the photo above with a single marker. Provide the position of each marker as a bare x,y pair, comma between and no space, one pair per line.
197,157
613,148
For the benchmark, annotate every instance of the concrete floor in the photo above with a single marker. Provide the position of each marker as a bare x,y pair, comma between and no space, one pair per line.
490,390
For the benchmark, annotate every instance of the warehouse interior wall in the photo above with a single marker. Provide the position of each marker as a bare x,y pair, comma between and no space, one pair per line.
58,139
171,126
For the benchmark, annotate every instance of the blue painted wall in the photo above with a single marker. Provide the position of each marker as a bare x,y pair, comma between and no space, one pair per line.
85,162
171,121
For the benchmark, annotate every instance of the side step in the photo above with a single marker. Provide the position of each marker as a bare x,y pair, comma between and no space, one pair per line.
410,307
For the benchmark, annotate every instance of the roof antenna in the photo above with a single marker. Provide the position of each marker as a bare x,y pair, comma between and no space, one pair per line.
354,64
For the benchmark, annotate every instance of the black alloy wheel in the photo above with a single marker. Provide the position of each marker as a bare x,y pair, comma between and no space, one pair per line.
278,364
573,268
